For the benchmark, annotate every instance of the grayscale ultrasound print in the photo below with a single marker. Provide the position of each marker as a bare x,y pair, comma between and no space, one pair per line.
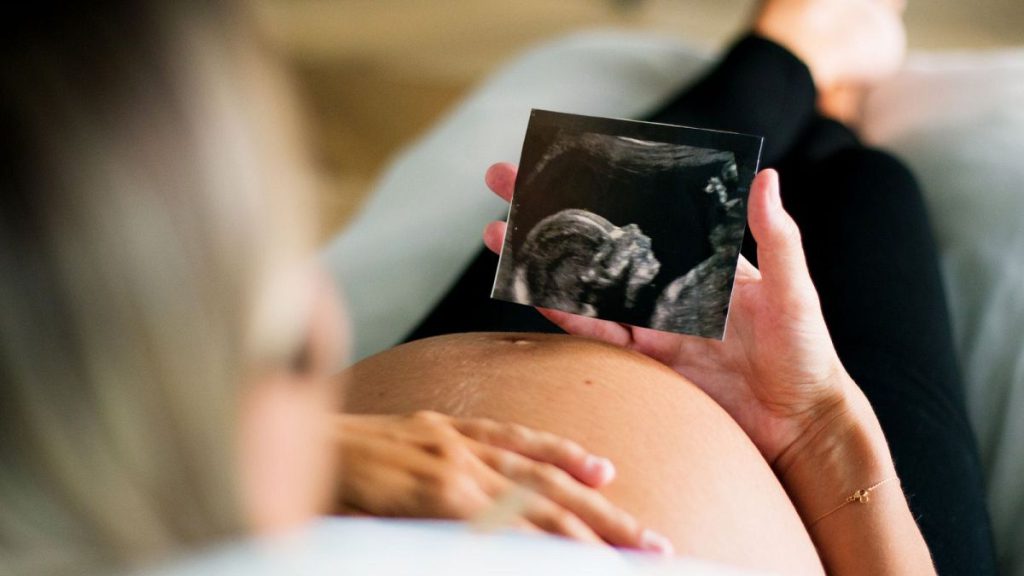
633,222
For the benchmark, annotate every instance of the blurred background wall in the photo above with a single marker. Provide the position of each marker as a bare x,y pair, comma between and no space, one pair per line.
374,74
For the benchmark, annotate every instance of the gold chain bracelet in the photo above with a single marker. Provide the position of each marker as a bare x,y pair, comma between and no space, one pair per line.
862,496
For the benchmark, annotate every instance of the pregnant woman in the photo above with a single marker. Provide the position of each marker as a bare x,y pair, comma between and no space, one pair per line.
828,429
165,348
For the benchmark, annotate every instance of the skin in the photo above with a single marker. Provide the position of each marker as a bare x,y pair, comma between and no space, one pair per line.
778,376
726,466
423,465
848,45
843,42
684,467
287,454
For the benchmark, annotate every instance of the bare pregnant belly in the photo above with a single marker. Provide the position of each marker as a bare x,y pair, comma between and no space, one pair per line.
684,467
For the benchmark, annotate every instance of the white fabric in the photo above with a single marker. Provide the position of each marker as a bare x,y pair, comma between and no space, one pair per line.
376,547
956,119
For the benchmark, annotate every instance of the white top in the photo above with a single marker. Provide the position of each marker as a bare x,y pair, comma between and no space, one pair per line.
380,547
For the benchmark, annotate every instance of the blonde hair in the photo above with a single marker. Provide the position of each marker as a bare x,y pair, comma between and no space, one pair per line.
152,193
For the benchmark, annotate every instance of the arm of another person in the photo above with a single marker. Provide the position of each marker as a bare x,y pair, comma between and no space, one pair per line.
778,375
429,465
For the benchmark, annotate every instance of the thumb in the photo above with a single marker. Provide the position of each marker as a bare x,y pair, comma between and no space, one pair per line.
780,254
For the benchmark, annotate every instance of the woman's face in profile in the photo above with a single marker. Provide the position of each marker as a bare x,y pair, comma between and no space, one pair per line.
288,456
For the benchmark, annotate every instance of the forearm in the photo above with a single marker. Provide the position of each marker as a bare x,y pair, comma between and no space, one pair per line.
873,534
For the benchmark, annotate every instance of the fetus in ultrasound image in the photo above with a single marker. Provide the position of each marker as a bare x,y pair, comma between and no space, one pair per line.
579,262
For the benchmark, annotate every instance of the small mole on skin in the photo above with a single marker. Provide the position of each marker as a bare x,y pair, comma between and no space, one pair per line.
588,382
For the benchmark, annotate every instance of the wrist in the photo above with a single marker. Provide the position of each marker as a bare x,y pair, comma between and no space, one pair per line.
846,451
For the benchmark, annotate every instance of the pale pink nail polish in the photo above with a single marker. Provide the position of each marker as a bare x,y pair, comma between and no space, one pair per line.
599,468
773,189
651,540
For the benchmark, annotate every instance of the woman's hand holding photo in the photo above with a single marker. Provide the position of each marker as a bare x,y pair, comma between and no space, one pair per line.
778,375
776,372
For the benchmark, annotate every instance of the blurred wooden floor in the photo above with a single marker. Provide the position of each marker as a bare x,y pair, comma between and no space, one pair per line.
374,74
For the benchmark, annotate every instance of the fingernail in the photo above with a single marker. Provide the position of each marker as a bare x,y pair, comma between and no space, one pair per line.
601,469
773,188
651,540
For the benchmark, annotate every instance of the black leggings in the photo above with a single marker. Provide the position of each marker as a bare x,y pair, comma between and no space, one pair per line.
873,260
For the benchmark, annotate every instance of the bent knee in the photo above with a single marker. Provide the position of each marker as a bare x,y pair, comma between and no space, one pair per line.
872,177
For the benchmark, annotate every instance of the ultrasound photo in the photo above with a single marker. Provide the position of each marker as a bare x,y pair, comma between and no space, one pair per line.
633,222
